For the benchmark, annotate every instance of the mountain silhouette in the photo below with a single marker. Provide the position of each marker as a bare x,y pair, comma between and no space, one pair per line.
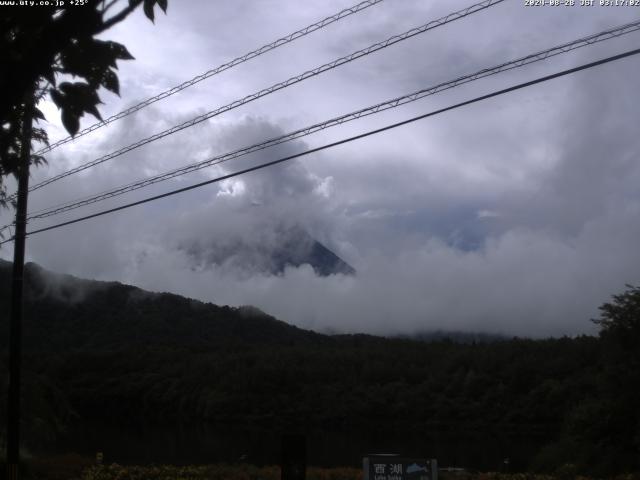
271,251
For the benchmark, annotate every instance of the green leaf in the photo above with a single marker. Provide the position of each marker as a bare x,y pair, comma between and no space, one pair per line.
163,5
148,9
57,97
84,98
38,115
67,88
93,111
90,59
39,135
121,51
71,121
110,82
75,99
50,76
38,160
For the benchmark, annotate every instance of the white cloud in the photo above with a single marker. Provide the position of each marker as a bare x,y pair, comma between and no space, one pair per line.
515,215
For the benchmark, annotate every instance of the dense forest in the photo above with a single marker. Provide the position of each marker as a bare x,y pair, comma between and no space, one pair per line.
112,353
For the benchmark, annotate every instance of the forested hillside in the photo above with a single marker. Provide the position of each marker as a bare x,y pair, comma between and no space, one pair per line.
113,353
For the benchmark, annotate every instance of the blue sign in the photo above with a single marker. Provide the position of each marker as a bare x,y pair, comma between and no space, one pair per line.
388,467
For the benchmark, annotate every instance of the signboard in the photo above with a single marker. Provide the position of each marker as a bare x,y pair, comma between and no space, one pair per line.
388,467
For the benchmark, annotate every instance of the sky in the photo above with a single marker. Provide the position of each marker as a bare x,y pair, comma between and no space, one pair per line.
517,215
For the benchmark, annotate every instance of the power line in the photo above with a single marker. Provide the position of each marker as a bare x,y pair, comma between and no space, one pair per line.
389,104
340,142
279,86
219,69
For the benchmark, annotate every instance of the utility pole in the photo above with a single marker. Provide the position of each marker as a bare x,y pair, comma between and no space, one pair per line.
17,280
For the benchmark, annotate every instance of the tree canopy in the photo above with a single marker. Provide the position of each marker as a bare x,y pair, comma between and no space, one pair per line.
161,359
621,317
41,45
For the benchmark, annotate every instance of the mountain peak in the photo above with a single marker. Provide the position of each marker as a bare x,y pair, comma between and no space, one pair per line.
270,251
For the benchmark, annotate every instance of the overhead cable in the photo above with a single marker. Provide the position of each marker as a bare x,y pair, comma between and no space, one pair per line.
278,86
219,69
339,142
386,105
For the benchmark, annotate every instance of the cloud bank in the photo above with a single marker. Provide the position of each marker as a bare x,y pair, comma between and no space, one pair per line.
517,215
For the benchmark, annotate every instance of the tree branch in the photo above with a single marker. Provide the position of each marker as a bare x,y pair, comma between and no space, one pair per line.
117,18
108,6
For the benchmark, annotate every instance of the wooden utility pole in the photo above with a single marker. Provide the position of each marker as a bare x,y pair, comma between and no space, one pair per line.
15,325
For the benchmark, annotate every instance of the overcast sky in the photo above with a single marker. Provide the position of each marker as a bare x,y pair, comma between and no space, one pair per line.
518,215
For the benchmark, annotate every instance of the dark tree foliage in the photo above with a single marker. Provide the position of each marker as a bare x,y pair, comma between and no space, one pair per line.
160,358
614,422
40,45
621,318
602,433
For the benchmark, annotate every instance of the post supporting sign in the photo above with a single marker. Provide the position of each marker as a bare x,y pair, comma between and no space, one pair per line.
387,467
294,457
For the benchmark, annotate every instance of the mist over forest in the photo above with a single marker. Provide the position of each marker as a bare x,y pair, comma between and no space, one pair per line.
111,358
